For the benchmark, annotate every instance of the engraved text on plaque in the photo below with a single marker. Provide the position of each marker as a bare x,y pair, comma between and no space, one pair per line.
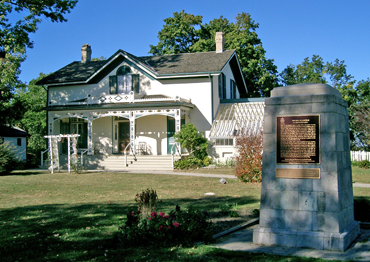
298,139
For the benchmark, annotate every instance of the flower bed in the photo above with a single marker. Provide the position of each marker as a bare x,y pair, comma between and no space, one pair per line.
178,227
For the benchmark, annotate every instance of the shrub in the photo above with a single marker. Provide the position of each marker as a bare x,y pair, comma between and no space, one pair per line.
179,227
193,141
249,160
362,164
8,159
76,164
192,162
147,201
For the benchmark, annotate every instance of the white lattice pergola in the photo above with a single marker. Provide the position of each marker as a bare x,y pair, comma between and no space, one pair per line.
54,154
232,119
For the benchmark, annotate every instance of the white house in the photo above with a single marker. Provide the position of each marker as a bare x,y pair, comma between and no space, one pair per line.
128,102
17,138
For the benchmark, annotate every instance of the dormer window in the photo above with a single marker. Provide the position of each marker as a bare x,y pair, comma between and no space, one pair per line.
124,81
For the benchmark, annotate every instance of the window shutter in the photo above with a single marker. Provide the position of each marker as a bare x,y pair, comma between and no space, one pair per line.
233,89
223,86
135,84
220,85
112,85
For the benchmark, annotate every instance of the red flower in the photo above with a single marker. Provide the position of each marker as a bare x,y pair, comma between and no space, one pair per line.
153,214
161,214
176,224
160,227
166,216
149,218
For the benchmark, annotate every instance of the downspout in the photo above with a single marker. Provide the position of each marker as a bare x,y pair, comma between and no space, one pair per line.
211,78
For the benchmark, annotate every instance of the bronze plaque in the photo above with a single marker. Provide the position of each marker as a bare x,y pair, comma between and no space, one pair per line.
298,139
308,173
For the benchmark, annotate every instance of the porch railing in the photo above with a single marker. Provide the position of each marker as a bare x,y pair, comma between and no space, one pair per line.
82,156
121,98
132,150
178,149
42,156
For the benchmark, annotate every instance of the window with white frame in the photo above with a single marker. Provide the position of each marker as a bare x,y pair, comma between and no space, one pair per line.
223,142
124,81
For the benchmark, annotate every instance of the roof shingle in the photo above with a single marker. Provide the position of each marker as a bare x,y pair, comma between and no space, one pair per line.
185,63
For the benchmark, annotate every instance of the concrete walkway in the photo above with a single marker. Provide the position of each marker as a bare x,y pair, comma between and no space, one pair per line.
242,240
180,173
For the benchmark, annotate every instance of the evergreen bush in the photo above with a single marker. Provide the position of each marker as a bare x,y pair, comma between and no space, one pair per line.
8,158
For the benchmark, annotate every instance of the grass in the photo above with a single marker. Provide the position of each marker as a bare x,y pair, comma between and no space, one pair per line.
360,175
74,217
218,170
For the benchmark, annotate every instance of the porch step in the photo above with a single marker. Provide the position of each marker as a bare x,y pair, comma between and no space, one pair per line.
117,162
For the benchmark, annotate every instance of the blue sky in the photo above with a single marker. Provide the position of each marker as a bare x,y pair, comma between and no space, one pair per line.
289,30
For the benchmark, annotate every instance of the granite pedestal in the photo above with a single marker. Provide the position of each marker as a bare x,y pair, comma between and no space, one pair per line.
308,212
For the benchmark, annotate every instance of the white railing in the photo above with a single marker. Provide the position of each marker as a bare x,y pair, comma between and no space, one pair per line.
82,151
131,151
178,150
121,98
360,155
42,156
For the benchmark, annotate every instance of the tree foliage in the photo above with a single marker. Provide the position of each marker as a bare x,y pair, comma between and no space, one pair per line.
194,142
185,32
28,103
8,158
357,94
317,71
15,38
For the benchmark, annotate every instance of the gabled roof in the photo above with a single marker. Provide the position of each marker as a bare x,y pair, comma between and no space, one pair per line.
188,63
6,131
155,66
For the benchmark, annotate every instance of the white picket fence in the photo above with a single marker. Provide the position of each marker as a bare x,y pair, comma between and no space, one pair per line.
360,155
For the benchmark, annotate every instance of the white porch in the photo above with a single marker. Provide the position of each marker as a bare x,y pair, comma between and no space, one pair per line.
147,131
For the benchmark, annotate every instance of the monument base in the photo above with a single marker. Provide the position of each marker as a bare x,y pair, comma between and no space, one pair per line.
309,239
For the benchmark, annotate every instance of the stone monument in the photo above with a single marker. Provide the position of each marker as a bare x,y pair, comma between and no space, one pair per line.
307,194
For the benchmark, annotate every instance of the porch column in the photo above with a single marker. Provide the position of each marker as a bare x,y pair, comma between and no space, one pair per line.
132,132
51,124
90,151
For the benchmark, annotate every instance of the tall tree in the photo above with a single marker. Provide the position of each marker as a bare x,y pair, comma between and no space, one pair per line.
359,110
335,74
28,104
316,71
178,34
15,38
185,33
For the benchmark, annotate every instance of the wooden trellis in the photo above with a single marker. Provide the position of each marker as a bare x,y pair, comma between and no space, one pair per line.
54,154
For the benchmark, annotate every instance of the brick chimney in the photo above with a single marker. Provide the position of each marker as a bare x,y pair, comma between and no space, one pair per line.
86,53
219,42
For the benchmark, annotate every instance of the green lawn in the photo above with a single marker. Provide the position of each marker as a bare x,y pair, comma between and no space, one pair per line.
360,175
73,217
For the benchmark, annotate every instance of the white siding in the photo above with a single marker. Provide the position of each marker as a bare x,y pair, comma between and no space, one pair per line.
196,89
153,131
20,151
102,135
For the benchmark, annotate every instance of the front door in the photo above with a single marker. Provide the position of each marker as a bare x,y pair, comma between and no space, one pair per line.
123,136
